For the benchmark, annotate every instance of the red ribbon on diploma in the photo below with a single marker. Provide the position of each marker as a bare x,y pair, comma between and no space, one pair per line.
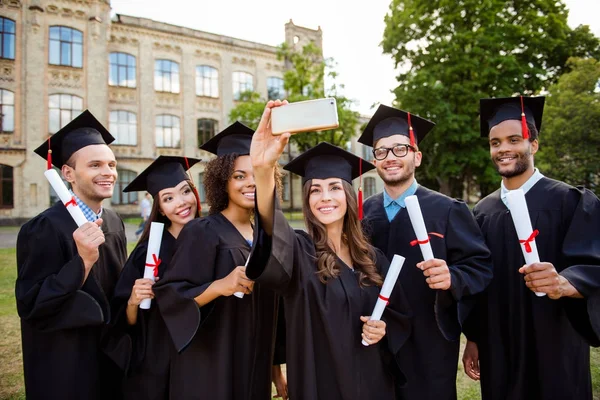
157,262
417,241
530,239
71,202
386,299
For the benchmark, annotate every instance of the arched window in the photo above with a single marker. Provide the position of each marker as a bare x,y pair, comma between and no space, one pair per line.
166,76
242,82
62,109
123,126
125,178
65,47
168,131
7,110
207,81
207,128
370,187
6,186
122,70
7,38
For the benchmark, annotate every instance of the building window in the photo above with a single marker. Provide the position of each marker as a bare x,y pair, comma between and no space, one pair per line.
7,38
207,128
275,88
367,152
7,110
6,186
201,191
123,126
370,187
125,178
166,76
285,195
66,46
122,70
167,131
242,82
62,109
207,81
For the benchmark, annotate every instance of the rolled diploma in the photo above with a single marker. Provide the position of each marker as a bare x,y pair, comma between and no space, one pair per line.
520,216
240,295
416,220
154,241
63,193
386,289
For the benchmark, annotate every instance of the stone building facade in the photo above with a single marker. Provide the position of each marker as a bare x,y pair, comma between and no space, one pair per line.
161,89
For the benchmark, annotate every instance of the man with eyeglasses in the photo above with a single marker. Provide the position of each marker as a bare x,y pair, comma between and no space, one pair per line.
439,291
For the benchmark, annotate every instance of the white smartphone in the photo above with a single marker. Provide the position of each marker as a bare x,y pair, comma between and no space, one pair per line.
305,116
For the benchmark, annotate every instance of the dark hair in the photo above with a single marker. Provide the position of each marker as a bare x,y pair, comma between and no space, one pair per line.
533,132
362,253
156,216
216,176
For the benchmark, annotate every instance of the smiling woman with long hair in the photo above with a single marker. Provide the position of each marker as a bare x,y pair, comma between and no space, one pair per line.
226,342
329,276
137,340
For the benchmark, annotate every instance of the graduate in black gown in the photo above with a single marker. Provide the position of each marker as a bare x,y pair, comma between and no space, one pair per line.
329,277
141,346
66,274
439,291
226,342
523,346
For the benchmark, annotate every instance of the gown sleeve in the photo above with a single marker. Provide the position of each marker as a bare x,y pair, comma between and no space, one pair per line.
190,273
49,287
581,254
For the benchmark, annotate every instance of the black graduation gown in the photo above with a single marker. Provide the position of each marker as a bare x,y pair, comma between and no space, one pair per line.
325,357
227,345
529,347
63,322
430,356
142,350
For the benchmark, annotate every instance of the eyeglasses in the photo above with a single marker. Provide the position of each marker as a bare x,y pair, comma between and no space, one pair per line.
399,150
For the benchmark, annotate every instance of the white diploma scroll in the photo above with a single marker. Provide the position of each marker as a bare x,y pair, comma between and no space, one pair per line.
65,196
418,224
152,260
520,216
386,289
240,295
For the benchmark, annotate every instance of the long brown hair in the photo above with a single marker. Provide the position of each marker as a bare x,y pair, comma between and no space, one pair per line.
362,253
216,177
156,216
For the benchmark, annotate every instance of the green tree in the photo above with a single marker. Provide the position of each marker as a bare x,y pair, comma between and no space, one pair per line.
452,53
570,135
304,80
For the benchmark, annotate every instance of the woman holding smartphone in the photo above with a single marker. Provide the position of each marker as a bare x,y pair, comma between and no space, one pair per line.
226,342
329,277
141,350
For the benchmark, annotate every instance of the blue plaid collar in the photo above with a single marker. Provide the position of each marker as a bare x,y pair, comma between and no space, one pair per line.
387,200
90,215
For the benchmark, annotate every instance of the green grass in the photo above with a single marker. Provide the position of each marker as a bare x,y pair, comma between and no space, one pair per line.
11,370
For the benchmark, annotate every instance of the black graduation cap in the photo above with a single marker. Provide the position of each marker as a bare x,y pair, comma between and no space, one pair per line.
84,130
236,138
328,161
164,172
520,108
389,121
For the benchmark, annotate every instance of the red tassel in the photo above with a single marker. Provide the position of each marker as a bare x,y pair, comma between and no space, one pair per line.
49,158
187,170
360,193
411,133
524,128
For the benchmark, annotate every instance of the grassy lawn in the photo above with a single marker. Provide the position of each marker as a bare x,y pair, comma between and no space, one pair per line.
11,374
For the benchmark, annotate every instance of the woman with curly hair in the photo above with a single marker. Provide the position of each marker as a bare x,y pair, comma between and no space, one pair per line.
329,276
136,341
226,342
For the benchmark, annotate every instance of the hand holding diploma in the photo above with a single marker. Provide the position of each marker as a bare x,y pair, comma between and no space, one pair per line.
236,282
240,295
152,260
373,325
88,237
520,216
